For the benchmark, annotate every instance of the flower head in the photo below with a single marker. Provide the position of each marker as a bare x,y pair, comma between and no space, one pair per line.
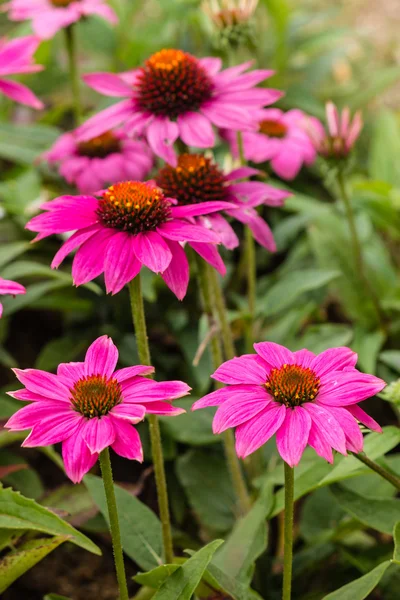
109,157
131,224
16,56
232,19
49,16
89,406
10,287
197,179
338,141
176,95
306,399
281,138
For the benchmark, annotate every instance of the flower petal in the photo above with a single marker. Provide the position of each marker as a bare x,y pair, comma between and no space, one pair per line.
108,84
341,388
152,251
43,383
176,276
211,255
53,429
247,368
292,436
274,354
181,231
130,372
161,135
252,435
98,433
196,130
127,440
236,411
28,416
328,427
333,359
352,431
364,418
101,357
120,264
129,411
257,393
77,457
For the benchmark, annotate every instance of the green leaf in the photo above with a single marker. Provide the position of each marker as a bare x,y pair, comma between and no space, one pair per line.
140,528
11,250
205,478
23,143
18,512
192,428
183,582
362,587
293,285
385,146
396,538
156,577
33,292
16,563
381,514
248,539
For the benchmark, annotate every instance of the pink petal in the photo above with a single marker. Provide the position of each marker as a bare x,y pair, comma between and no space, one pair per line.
145,390
259,228
28,416
120,264
43,383
287,163
127,441
303,358
203,208
292,436
355,129
176,276
332,117
11,287
54,428
98,433
237,411
181,231
73,242
211,64
77,457
252,435
354,437
101,357
130,372
364,418
317,440
328,427
229,116
241,173
243,369
333,359
161,135
211,255
20,93
274,354
72,371
108,84
223,229
89,260
163,409
341,388
129,411
152,251
27,396
105,120
195,130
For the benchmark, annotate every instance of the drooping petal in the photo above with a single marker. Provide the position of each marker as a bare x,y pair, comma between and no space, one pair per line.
176,276
364,418
145,390
252,435
292,436
163,409
101,357
182,231
127,441
274,354
211,255
108,84
152,251
78,459
354,437
242,369
236,411
54,428
161,135
28,416
120,264
327,425
105,120
196,130
20,93
333,359
98,433
203,208
89,260
223,229
77,239
318,441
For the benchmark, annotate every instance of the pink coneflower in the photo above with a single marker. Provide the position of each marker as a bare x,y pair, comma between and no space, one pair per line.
98,162
302,397
10,287
130,225
176,95
49,16
281,138
197,179
342,132
16,56
89,406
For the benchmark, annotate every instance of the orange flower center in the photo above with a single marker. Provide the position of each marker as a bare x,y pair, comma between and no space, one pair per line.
100,146
171,83
195,179
293,385
62,3
133,206
273,128
95,396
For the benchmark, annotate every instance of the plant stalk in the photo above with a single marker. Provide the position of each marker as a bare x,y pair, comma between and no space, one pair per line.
235,470
106,472
70,38
391,477
288,533
139,322
220,306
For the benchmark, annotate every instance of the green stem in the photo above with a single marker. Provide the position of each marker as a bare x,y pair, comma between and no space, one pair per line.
139,323
357,250
73,71
227,337
391,477
106,473
288,534
239,484
250,254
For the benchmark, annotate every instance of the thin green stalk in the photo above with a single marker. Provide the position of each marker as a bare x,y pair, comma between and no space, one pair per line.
70,39
391,477
227,337
288,534
234,467
357,250
139,323
250,254
106,473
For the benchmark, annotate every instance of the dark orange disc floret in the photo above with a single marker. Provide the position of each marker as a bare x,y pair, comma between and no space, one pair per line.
133,206
95,395
100,146
293,385
273,128
171,83
195,179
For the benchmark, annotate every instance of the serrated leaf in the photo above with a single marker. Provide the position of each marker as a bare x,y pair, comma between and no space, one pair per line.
381,514
183,582
359,589
140,527
16,563
18,512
